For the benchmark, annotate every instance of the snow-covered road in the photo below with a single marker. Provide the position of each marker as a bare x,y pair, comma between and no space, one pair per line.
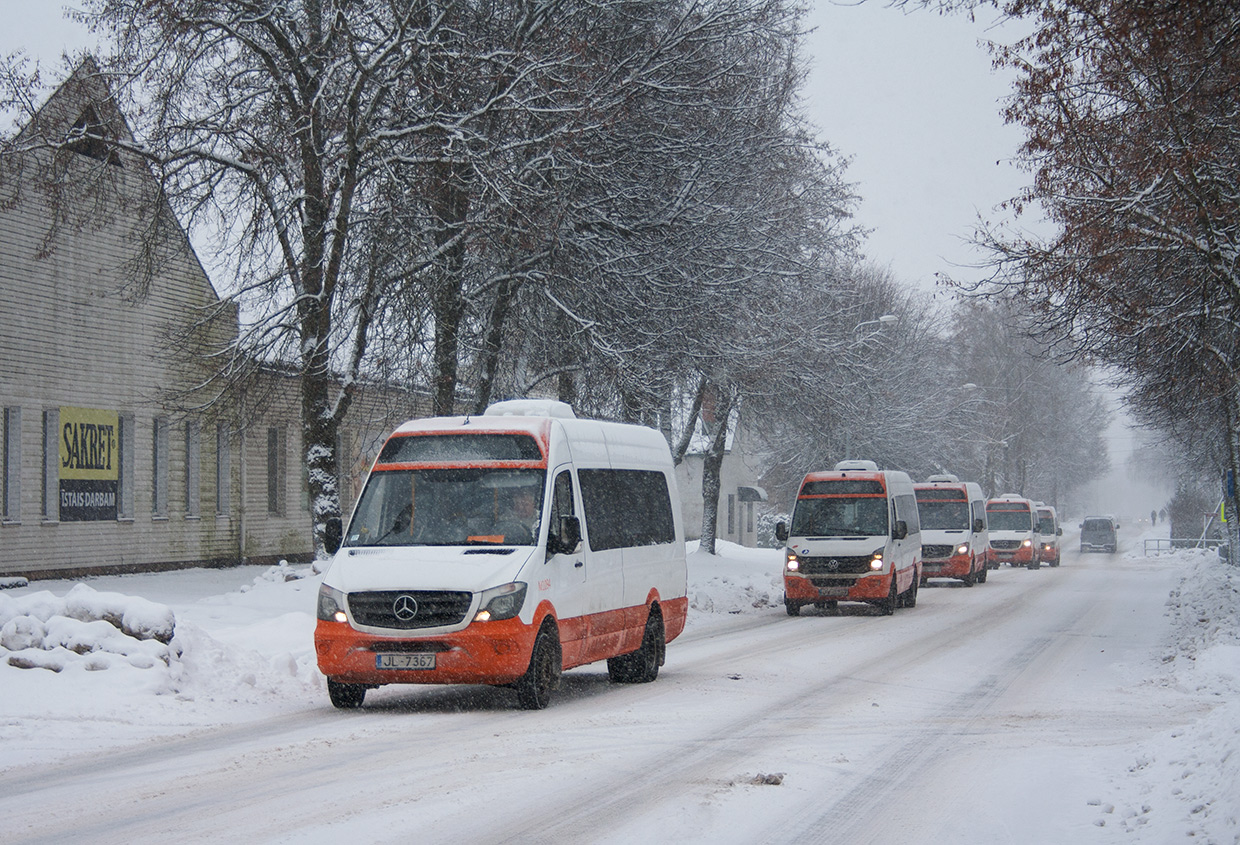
1000,713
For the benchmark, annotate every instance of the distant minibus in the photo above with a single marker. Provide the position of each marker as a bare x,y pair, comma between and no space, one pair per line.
1014,536
1050,531
855,536
954,540
503,549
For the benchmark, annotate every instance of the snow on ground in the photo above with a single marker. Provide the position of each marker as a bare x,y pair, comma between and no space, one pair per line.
115,660
1191,774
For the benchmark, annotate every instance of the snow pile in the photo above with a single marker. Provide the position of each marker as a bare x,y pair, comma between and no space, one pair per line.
86,628
251,656
735,580
1187,777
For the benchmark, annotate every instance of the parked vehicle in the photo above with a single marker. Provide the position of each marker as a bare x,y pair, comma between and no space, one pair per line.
503,549
954,540
1014,536
1099,534
855,536
1050,531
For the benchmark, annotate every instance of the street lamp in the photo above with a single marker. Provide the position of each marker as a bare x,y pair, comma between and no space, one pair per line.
886,318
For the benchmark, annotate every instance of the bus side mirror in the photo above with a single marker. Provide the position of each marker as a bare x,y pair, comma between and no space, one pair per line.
900,531
333,533
1058,532
781,532
978,526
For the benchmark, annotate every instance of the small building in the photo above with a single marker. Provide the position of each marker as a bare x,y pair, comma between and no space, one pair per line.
99,472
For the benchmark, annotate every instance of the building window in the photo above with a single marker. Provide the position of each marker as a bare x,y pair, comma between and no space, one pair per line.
125,460
51,465
12,480
193,474
159,467
731,514
223,470
276,466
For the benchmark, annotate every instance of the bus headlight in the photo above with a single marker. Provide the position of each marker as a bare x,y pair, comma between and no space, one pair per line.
503,602
331,605
962,549
1028,544
792,563
876,560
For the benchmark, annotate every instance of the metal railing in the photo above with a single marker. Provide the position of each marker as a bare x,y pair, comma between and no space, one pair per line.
1160,545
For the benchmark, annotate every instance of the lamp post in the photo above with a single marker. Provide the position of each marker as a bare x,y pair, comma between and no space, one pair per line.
886,318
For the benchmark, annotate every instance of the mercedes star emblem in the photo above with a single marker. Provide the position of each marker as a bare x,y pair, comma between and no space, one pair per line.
405,608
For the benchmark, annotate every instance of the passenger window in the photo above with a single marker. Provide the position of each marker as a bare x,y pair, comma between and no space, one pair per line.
626,508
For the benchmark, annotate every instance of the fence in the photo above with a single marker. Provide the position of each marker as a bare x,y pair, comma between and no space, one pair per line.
1159,545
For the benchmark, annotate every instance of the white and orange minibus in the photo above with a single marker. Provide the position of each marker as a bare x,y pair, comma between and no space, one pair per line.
503,549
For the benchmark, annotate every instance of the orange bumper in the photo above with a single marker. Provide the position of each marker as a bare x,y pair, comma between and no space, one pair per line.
800,588
956,566
1019,556
483,653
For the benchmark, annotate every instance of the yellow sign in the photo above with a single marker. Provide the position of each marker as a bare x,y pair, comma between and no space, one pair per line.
88,445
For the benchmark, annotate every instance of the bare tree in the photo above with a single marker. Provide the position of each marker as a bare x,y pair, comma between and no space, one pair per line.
1132,138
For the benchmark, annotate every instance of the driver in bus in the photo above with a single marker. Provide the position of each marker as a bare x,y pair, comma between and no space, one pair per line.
520,521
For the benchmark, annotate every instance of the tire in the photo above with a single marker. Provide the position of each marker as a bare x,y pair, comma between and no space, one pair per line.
910,597
345,696
888,605
534,688
641,666
1055,563
970,579
982,573
793,608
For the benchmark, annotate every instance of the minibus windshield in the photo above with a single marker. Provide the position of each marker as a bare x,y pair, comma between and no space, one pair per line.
943,515
840,516
1046,524
449,507
1009,520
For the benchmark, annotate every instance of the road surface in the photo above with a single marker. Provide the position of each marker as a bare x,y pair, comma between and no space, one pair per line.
995,713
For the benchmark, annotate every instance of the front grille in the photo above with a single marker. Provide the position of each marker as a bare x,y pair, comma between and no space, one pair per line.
936,552
834,565
419,608
1005,545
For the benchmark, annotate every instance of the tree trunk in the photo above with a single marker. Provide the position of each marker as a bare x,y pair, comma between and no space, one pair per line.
447,301
1231,500
711,464
679,449
319,428
492,345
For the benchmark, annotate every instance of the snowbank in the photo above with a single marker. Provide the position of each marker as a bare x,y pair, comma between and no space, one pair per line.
1185,779
735,580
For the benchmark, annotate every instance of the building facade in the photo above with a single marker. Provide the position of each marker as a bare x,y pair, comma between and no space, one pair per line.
99,472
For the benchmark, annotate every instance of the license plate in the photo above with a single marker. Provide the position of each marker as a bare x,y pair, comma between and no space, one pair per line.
404,661
833,592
